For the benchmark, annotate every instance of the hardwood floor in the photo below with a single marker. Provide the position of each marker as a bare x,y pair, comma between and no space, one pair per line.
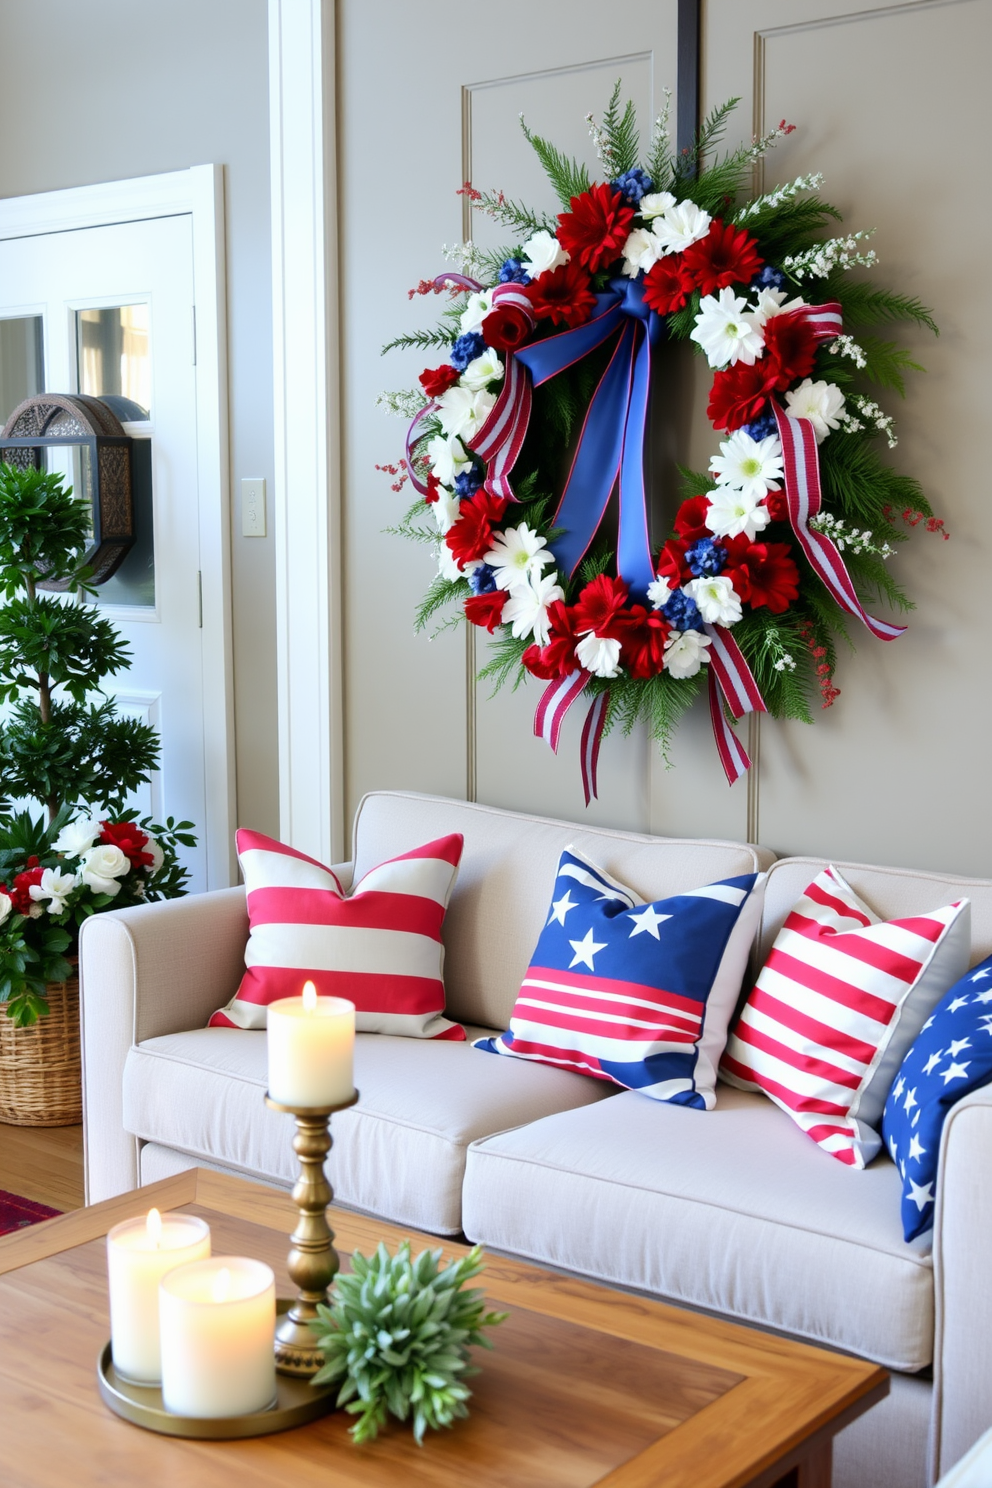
43,1163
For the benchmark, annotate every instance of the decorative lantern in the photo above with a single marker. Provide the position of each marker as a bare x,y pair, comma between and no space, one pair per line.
51,419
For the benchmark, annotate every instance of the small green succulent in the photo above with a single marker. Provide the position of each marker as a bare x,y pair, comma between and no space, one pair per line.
397,1335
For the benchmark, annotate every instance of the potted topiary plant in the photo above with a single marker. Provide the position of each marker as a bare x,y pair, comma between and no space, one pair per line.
64,747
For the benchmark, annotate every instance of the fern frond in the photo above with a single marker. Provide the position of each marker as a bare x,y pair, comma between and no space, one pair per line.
659,162
864,305
621,134
422,340
504,663
440,593
882,362
512,214
568,177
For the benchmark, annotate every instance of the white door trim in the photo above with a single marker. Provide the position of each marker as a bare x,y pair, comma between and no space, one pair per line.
198,192
307,499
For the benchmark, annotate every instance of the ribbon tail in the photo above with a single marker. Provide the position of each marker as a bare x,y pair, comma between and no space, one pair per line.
460,281
501,437
735,678
554,703
803,496
592,735
411,439
634,563
733,755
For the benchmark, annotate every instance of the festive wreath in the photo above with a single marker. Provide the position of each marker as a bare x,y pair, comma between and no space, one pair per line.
528,454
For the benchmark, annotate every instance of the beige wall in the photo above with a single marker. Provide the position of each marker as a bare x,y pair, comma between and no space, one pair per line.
101,90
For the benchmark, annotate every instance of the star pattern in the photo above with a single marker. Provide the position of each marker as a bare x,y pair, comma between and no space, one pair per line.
585,949
560,908
959,1002
985,996
933,1062
647,921
910,1100
955,1072
957,1045
919,1195
916,1148
980,976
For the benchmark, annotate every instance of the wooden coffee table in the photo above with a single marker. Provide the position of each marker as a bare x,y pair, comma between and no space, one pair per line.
586,1385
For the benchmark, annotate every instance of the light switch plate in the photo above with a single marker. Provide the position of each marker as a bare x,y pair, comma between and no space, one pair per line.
253,508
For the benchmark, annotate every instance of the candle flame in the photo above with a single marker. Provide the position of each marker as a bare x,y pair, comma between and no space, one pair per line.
221,1288
153,1225
309,997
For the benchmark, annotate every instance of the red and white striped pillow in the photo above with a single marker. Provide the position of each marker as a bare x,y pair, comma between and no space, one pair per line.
380,946
837,1005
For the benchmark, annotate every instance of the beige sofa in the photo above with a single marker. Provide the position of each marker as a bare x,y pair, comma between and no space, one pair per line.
733,1211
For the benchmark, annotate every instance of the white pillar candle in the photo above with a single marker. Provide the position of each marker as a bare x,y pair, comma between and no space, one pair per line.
139,1253
218,1321
311,1042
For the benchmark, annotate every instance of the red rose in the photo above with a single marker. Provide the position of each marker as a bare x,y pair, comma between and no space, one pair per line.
557,658
642,646
563,295
438,381
739,393
131,840
727,255
486,609
790,346
763,574
778,506
671,564
20,897
690,521
600,606
596,228
506,327
667,285
472,535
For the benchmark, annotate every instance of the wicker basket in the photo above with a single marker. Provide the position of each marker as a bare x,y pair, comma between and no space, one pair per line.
40,1067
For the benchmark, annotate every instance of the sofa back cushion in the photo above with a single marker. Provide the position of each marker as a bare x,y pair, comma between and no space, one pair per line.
509,862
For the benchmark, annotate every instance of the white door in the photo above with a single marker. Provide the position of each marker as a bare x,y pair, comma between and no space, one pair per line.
110,310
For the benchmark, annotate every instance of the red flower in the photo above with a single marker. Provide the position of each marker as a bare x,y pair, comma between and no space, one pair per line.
671,564
472,535
778,506
667,285
596,228
563,295
506,327
599,607
642,646
763,574
739,393
727,255
433,486
131,840
790,346
690,521
438,381
20,898
486,609
557,658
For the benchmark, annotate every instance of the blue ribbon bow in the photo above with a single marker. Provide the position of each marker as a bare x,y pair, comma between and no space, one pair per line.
611,442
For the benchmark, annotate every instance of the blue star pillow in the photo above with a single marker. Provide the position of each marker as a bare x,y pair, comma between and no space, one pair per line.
639,994
951,1056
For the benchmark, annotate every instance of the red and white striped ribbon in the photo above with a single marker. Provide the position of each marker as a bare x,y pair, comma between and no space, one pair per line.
825,321
501,437
733,756
592,734
730,676
803,496
555,702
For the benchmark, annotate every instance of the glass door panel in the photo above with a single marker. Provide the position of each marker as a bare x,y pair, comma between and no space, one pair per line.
22,361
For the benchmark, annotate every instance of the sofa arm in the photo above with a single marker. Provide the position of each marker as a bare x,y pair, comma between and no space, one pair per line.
962,1397
161,968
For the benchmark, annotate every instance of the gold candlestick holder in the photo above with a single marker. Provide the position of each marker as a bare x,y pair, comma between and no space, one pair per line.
313,1261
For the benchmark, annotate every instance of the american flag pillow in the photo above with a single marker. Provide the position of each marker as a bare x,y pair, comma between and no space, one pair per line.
638,994
380,946
835,1007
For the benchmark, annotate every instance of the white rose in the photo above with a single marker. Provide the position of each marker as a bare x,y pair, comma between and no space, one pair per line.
55,887
6,905
820,402
541,253
640,251
654,204
157,855
485,369
446,509
680,225
599,654
477,307
685,652
77,837
462,412
716,599
772,302
102,867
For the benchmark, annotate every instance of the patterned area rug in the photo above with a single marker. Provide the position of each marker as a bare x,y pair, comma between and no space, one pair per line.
16,1213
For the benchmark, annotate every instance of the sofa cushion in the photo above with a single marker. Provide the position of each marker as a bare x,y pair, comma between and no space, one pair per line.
733,1210
399,1153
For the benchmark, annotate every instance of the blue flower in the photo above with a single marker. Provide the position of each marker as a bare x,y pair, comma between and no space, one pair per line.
682,612
769,278
467,482
633,184
466,349
513,272
482,580
762,427
706,558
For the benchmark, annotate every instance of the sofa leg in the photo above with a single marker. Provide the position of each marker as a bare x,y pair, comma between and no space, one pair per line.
813,1469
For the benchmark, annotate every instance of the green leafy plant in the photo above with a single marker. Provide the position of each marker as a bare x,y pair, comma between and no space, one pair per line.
397,1336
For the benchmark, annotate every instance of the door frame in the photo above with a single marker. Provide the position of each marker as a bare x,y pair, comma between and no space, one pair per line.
198,193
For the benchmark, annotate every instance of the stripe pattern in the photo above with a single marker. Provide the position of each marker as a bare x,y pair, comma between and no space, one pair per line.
380,947
621,990
501,437
831,1001
731,676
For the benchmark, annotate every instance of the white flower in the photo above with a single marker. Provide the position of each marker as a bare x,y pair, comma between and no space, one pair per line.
156,853
526,609
654,204
716,600
485,369
477,307
748,464
541,253
6,905
733,512
599,654
446,509
55,887
640,251
685,652
726,331
516,555
462,412
448,459
77,837
447,564
820,402
773,302
660,592
680,225
102,866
